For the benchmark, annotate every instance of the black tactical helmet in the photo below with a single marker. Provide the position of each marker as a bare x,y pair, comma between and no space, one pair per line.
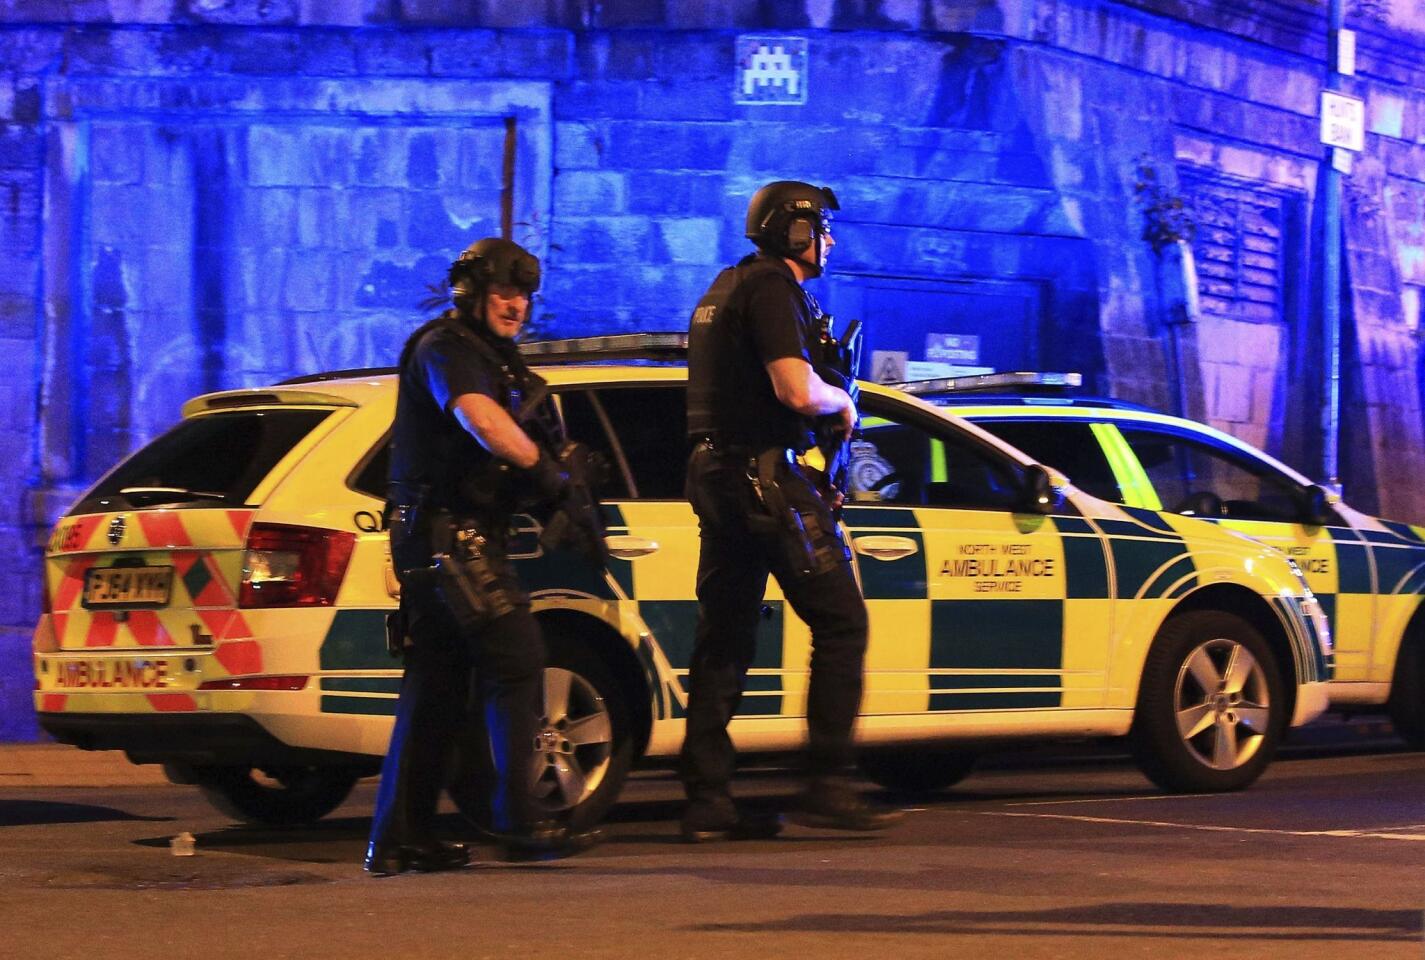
786,216
494,260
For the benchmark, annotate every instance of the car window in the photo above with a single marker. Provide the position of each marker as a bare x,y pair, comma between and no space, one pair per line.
1197,476
586,422
897,459
641,431
372,475
222,456
1068,446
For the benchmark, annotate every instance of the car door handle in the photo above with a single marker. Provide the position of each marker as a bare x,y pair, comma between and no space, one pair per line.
885,548
630,548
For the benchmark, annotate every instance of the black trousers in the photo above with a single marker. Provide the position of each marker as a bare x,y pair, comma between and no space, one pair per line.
500,669
733,565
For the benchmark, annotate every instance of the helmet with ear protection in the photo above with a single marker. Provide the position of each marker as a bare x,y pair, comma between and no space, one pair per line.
787,217
493,261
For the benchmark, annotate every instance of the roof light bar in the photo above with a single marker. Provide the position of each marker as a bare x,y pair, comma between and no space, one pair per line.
622,346
1023,380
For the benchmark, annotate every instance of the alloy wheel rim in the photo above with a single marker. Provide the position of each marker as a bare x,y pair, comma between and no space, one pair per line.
1222,704
574,745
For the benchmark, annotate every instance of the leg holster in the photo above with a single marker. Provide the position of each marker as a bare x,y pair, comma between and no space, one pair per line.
473,578
456,560
797,529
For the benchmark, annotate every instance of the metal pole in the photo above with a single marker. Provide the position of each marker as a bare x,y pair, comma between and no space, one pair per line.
1331,273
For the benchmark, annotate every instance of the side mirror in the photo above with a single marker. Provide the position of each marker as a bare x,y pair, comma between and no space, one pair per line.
1039,494
1316,510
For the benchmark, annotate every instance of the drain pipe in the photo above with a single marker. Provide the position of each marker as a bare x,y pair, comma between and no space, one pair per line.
1331,275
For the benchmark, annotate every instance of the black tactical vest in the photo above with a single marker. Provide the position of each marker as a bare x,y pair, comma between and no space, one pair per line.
730,395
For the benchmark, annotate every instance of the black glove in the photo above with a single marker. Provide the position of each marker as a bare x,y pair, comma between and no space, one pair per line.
548,481
576,523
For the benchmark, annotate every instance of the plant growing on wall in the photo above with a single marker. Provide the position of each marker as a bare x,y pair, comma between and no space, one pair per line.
1167,217
1375,11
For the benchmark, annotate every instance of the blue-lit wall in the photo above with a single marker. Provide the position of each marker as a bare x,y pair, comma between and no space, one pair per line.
198,195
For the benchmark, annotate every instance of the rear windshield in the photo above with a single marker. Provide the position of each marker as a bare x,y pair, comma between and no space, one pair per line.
219,458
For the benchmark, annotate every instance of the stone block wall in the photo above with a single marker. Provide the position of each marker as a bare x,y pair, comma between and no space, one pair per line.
198,194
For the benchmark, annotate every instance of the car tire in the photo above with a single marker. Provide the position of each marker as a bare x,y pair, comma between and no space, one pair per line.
284,796
915,769
1407,691
578,778
1212,707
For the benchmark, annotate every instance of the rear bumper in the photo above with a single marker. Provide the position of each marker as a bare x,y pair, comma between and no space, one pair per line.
193,739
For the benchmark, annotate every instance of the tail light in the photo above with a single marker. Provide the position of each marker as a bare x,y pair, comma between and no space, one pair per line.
288,566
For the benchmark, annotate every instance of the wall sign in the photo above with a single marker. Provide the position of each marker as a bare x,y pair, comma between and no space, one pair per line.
771,70
1343,121
953,347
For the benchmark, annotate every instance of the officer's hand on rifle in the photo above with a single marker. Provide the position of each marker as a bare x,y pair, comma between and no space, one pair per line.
548,479
565,483
845,418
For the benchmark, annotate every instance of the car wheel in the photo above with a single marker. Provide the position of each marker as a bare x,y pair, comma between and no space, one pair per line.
1407,690
916,769
275,796
583,749
1211,705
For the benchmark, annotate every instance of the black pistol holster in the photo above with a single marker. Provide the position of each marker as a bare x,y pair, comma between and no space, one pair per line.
798,533
473,579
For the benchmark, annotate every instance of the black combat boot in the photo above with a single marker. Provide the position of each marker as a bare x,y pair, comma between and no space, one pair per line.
832,804
546,840
430,856
706,821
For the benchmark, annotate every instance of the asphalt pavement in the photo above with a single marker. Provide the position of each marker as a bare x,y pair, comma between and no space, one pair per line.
1068,854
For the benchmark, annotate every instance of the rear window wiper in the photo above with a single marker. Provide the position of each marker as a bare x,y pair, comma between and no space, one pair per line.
170,494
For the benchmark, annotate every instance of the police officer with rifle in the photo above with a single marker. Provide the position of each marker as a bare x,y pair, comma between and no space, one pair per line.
761,368
473,443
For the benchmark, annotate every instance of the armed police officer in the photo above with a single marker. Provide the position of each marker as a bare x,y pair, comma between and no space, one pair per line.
464,457
754,401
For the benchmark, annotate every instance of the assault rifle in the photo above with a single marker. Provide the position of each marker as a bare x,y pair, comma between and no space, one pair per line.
837,363
577,523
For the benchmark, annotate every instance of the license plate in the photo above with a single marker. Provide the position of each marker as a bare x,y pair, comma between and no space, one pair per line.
126,674
127,586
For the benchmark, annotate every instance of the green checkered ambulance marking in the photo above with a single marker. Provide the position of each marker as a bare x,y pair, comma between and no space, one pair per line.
371,706
622,570
1397,563
868,518
391,685
902,579
1151,518
1404,532
356,640
666,705
990,636
1353,563
673,624
197,578
1312,664
1085,567
997,634
1414,583
1146,561
1183,588
567,572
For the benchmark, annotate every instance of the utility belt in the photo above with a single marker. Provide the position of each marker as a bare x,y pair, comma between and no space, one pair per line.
784,511
459,559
